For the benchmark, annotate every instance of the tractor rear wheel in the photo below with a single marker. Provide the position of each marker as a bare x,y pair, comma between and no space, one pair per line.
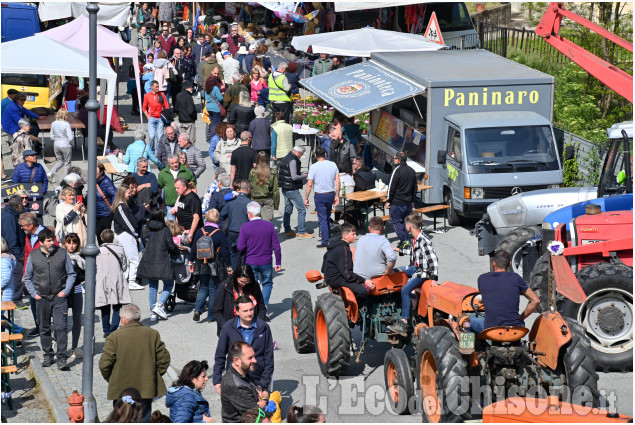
513,243
398,380
607,314
332,335
442,377
302,322
539,281
579,367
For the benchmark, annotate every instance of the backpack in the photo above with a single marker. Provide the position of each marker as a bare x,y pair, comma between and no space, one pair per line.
50,205
205,247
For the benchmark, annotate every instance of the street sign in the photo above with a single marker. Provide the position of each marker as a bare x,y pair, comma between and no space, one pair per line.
433,32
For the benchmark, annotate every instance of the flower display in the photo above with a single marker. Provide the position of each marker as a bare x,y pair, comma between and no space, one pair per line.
316,113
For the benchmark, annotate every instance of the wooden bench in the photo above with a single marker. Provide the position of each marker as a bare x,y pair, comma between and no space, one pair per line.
425,210
6,382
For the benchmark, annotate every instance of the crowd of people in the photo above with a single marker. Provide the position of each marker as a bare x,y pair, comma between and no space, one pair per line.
164,227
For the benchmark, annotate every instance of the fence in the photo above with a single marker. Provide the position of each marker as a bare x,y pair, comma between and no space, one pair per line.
588,156
502,40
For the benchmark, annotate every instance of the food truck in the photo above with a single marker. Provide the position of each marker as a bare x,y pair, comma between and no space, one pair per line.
474,125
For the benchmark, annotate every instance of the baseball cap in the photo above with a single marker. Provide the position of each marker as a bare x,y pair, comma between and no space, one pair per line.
28,152
226,53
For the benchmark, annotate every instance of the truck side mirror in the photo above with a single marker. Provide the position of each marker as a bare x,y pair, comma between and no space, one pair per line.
441,157
569,153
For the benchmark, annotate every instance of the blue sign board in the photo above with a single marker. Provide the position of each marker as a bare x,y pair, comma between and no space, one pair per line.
361,87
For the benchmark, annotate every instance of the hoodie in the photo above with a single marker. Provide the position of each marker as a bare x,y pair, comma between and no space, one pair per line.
186,405
337,265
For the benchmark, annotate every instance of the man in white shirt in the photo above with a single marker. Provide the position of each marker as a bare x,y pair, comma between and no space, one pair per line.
230,67
326,177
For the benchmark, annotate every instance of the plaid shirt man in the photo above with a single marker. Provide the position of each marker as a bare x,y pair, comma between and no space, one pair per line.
423,257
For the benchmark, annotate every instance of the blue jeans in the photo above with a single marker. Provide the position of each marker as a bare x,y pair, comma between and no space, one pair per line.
397,215
214,118
411,285
293,198
153,289
477,324
265,275
324,206
155,128
232,239
108,324
209,285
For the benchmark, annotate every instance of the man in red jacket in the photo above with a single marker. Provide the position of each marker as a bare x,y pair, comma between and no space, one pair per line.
167,40
31,226
153,103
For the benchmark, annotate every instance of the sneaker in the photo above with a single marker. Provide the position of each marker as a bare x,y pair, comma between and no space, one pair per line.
63,366
47,362
400,327
35,331
160,311
323,245
134,286
77,353
72,357
305,235
289,234
6,179
51,177
197,316
154,317
267,317
275,344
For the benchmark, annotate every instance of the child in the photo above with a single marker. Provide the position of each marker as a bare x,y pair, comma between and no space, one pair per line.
72,245
182,273
176,231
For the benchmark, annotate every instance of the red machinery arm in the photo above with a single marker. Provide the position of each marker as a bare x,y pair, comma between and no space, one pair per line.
616,79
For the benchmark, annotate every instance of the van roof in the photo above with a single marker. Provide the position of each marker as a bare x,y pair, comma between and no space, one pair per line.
460,68
498,119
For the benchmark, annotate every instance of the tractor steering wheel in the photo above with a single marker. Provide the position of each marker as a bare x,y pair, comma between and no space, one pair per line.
478,313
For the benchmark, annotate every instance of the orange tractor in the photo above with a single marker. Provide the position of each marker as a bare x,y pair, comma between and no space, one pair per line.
457,372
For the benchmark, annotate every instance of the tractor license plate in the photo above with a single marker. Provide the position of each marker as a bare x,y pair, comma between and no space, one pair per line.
30,98
466,341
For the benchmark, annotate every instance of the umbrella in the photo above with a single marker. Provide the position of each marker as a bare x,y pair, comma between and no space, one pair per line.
297,17
361,42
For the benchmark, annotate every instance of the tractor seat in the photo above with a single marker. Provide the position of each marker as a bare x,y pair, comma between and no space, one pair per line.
389,284
504,333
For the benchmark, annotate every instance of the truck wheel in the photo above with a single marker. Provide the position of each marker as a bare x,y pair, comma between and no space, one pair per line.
442,377
453,217
332,335
607,314
579,367
513,242
398,380
302,322
539,281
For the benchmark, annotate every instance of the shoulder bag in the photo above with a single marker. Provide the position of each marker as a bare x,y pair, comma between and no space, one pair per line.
223,111
103,196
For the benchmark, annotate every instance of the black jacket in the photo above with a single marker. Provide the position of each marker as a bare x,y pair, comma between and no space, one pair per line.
342,152
125,220
337,265
284,173
293,81
241,117
184,107
238,394
224,304
262,343
364,179
218,238
217,200
12,232
402,189
155,262
235,212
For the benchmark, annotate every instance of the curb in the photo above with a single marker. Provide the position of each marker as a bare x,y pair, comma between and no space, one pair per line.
59,412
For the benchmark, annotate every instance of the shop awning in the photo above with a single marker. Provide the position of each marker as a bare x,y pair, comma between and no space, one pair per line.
362,87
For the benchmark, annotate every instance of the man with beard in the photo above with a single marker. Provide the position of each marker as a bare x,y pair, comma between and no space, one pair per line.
49,278
238,392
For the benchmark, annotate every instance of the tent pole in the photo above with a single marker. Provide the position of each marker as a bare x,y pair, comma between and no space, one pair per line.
91,250
117,81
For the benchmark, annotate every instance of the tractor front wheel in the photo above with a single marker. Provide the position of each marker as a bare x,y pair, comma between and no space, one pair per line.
398,379
539,281
332,335
579,367
302,322
607,314
442,377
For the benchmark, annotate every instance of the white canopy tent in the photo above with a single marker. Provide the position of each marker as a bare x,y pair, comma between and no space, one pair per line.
115,14
361,42
349,6
42,55
109,44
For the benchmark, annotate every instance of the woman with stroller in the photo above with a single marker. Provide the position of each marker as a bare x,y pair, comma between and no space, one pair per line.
156,264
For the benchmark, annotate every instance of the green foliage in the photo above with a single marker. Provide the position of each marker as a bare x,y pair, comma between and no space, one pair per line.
570,171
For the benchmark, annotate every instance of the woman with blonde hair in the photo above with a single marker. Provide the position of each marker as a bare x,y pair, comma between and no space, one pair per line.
62,135
226,146
257,83
243,113
70,216
126,232
265,186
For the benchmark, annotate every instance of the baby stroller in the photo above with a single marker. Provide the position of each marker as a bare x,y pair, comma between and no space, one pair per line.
186,284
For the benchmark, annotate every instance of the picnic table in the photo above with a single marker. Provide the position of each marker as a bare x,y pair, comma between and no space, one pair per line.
76,124
113,167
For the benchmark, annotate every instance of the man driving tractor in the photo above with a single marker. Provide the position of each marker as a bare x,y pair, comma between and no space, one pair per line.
424,265
337,265
500,292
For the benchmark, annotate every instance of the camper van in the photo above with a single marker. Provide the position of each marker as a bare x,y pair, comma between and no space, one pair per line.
474,125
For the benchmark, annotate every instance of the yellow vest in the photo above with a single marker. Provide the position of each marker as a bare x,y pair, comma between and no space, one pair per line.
276,92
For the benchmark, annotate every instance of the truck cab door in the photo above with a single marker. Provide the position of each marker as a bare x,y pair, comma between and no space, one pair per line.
617,177
453,164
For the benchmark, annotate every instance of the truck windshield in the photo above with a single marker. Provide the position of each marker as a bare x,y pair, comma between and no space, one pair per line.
510,149
451,16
